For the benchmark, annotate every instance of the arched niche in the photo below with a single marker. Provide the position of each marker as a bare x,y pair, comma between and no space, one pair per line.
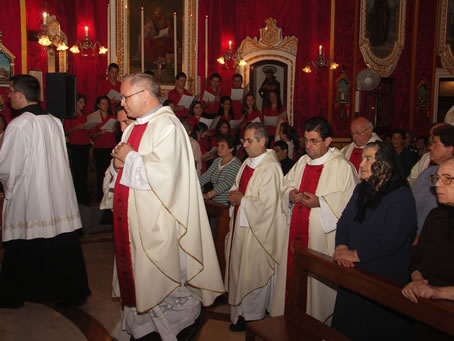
271,50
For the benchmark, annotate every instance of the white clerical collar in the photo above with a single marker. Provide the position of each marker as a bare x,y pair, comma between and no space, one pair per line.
321,160
145,118
256,160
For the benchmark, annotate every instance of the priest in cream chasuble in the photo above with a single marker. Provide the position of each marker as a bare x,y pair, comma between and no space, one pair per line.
314,193
257,230
166,264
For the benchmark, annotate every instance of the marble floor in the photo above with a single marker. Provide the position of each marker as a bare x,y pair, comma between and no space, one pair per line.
98,319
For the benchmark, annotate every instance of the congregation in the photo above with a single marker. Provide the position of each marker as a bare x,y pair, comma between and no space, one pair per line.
383,203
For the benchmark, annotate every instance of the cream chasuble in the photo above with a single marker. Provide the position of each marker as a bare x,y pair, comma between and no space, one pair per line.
166,214
335,187
259,234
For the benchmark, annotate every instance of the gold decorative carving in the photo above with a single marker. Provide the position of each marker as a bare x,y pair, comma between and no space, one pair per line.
383,65
444,49
271,46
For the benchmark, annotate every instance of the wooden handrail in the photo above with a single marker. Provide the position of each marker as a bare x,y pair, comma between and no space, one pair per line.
438,314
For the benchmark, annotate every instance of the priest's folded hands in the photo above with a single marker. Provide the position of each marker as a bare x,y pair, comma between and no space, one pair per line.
307,199
119,154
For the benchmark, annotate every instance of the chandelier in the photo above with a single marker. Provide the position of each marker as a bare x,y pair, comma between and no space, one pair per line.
321,62
231,57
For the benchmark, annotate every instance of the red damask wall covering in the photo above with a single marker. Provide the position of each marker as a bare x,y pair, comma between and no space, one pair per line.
308,20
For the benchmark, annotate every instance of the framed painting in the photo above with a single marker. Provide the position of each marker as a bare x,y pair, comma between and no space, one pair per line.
169,39
446,35
382,33
6,65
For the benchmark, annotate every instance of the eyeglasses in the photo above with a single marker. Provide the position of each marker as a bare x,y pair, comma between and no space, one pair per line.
124,98
359,133
312,141
445,179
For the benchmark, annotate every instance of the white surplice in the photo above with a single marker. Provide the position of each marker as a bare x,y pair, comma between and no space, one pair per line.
40,201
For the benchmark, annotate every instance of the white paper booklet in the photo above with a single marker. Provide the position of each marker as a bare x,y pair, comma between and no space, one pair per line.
235,123
210,122
271,120
110,125
236,94
93,119
186,101
114,95
208,96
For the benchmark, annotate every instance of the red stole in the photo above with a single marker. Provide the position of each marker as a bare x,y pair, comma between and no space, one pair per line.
299,225
244,181
121,229
355,158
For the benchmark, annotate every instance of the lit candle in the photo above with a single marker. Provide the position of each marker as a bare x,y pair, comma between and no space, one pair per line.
45,18
142,38
175,42
86,31
206,47
230,44
320,49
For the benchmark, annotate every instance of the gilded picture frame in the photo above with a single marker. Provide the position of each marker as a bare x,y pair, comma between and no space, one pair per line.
187,41
382,34
6,65
446,35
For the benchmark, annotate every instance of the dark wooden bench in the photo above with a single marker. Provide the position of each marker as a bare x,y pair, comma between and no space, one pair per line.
221,214
296,323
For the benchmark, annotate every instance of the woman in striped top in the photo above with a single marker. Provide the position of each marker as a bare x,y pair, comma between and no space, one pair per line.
222,173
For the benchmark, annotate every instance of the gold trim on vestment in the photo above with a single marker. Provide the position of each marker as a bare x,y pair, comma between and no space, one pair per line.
42,223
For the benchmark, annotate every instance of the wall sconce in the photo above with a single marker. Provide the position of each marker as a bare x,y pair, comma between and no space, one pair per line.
51,34
87,44
231,57
321,62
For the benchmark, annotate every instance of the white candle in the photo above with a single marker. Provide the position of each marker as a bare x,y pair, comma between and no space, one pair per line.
175,42
320,49
86,31
142,39
230,44
45,18
206,47
357,104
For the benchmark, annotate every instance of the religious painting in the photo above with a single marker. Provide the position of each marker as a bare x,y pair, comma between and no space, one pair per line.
268,75
423,94
343,89
6,65
382,25
159,37
169,39
446,35
382,33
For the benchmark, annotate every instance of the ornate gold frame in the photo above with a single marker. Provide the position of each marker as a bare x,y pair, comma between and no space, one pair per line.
271,46
189,65
10,57
444,50
384,66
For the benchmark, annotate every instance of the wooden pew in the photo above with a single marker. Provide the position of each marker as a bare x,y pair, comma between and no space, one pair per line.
221,214
296,323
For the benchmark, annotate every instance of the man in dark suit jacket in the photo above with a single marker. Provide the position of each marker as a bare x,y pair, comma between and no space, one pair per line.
281,149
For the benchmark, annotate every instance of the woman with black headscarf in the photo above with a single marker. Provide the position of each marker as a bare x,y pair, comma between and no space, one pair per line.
375,233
